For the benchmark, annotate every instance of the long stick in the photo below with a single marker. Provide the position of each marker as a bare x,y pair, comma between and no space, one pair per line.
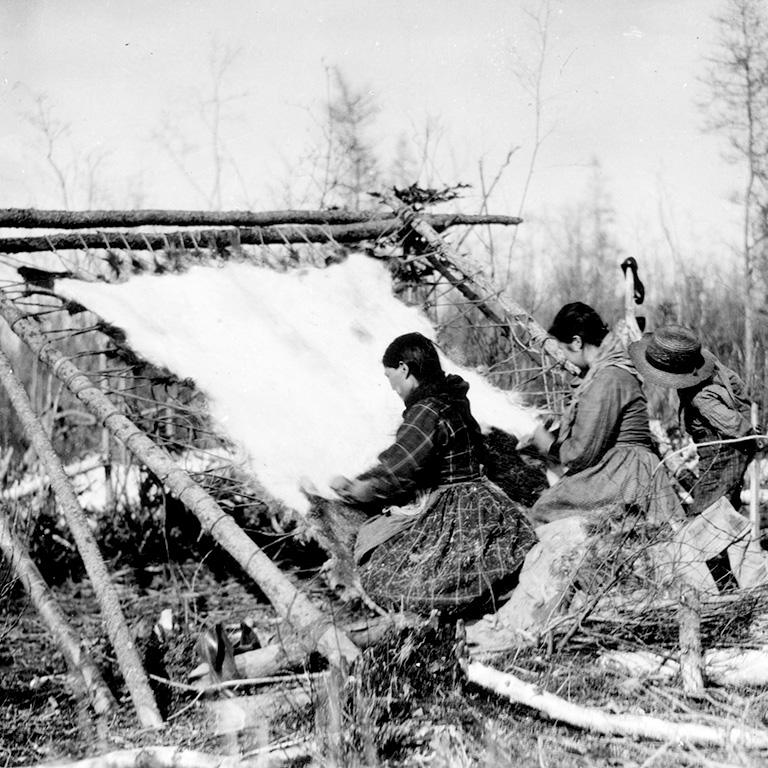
291,605
30,218
476,288
593,719
45,603
135,677
220,239
177,757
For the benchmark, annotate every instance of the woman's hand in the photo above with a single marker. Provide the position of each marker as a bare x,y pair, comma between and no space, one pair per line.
340,485
543,439
351,491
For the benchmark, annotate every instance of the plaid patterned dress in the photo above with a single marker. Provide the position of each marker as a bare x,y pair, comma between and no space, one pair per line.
468,536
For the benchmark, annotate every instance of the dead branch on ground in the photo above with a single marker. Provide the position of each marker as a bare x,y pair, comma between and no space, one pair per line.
176,757
593,719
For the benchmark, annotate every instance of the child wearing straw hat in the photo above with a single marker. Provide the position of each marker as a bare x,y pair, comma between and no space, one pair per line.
713,406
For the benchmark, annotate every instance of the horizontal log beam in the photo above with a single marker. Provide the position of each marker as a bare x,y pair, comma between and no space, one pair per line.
32,218
220,239
191,240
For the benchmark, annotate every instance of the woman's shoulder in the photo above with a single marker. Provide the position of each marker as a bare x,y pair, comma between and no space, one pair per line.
427,407
617,375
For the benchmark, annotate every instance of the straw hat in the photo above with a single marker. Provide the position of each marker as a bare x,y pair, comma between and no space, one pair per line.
672,357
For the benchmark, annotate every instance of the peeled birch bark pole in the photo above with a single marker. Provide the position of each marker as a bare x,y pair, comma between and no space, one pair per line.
593,719
196,240
44,601
499,309
292,605
135,677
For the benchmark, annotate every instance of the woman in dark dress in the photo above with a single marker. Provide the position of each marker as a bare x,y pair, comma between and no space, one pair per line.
460,535
604,439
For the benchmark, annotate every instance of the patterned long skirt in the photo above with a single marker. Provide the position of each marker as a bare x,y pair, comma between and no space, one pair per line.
469,538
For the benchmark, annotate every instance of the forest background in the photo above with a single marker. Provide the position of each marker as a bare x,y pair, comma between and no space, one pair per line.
702,253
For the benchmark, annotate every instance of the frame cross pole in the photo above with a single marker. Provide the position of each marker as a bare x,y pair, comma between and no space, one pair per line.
469,280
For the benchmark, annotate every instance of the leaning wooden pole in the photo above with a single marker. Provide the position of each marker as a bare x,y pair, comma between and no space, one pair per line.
468,279
293,606
135,677
80,663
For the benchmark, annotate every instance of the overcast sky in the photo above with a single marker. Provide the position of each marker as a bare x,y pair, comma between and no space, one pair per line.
620,84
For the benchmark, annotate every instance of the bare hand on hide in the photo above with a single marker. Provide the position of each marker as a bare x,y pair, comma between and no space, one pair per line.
543,439
352,491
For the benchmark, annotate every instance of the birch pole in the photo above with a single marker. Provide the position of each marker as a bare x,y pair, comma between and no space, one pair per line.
593,719
220,239
135,677
475,287
293,606
44,601
31,218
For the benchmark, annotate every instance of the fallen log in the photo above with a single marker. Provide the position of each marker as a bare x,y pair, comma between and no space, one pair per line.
593,719
176,757
735,667
32,485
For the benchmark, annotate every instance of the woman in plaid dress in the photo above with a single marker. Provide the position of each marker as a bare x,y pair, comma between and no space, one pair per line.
460,536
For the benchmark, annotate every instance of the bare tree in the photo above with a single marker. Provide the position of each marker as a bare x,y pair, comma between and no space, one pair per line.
586,256
53,133
529,74
211,111
348,166
737,78
78,169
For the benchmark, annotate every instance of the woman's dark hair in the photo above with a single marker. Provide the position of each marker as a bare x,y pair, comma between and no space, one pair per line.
581,320
418,353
